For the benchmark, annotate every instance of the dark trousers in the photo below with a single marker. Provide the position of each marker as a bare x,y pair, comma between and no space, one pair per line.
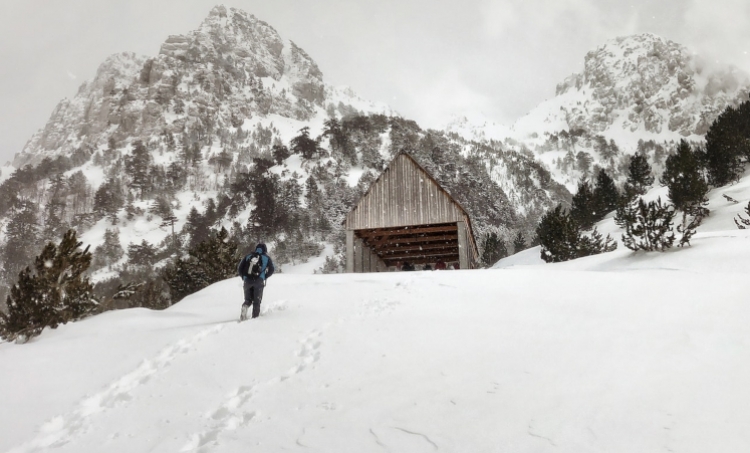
253,295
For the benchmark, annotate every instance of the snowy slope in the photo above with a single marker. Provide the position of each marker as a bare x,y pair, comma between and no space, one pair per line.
619,352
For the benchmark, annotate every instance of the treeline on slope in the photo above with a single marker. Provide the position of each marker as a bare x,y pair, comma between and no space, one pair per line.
56,289
245,186
586,153
689,172
532,187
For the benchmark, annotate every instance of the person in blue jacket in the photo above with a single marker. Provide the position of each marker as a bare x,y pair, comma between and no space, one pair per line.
254,278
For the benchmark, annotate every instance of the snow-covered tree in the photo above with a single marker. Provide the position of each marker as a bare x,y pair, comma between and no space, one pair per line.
639,177
561,238
55,291
519,243
728,145
606,197
21,239
210,261
648,226
741,222
583,209
687,188
111,250
493,249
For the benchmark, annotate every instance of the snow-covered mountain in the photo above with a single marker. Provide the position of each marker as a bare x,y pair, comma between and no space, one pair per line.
220,108
617,352
217,104
233,68
639,88
640,84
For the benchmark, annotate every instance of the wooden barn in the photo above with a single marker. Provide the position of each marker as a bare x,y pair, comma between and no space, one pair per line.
406,216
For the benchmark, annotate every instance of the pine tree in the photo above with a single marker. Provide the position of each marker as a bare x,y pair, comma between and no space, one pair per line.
280,153
339,139
210,261
130,210
152,294
218,256
595,244
639,177
54,223
682,176
583,209
558,235
561,238
197,227
143,254
493,249
727,143
78,189
648,226
162,207
111,250
137,165
502,249
265,216
606,197
109,199
741,222
519,243
183,278
55,292
22,236
687,189
304,145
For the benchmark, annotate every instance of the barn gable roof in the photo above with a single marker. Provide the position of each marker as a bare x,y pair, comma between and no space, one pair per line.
378,198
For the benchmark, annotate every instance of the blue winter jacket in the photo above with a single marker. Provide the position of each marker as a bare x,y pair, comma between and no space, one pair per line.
264,259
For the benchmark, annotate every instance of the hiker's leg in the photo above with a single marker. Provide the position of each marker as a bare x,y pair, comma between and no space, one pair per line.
257,298
248,292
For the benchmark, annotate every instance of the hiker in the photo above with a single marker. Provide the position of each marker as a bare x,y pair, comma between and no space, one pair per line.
255,268
407,266
440,265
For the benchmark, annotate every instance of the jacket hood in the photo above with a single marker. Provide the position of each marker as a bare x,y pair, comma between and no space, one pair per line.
262,246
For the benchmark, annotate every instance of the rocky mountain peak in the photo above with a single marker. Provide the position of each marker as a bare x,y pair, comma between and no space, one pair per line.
642,83
232,67
235,37
639,58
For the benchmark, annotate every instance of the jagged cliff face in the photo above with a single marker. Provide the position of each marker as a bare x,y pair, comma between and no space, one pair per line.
637,93
639,84
232,68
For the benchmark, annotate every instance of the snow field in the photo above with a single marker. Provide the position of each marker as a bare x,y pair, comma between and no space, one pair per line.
534,358
617,352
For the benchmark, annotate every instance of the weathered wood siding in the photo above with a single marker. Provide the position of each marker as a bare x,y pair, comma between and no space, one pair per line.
403,195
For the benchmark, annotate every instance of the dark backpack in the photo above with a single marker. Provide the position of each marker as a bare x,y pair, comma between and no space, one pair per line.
250,266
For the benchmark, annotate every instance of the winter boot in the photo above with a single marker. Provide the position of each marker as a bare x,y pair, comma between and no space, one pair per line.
243,314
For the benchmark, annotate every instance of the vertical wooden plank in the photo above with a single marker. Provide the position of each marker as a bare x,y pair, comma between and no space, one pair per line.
463,246
350,251
403,195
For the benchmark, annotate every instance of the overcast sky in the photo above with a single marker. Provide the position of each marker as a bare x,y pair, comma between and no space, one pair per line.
426,58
